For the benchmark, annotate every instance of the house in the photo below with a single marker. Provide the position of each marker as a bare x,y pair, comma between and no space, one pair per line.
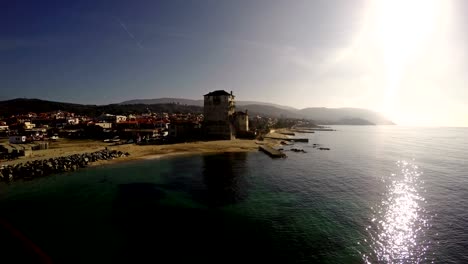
120,118
184,130
17,139
127,125
219,107
163,124
28,125
73,121
104,125
108,118
60,122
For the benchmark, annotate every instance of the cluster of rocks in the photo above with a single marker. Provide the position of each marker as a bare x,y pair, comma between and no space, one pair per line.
298,150
38,168
320,148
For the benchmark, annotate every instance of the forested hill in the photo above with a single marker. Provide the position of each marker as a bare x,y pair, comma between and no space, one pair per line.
23,106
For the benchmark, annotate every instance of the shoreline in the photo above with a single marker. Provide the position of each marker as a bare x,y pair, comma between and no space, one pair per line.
147,152
51,162
139,152
162,156
64,148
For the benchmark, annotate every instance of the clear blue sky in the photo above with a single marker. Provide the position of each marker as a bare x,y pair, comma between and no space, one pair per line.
390,56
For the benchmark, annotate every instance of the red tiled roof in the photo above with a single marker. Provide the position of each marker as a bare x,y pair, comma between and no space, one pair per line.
128,122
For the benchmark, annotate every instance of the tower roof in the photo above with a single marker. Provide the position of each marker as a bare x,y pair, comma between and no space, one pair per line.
217,93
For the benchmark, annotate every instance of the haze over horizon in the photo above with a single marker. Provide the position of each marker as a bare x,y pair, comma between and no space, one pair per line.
406,59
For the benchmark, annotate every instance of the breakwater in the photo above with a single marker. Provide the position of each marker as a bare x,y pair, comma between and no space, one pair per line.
39,168
288,139
274,153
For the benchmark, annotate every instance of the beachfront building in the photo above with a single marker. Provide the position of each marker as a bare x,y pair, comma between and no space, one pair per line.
241,121
17,139
184,130
219,108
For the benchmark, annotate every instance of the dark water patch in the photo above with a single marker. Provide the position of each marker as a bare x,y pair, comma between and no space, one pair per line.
221,180
153,230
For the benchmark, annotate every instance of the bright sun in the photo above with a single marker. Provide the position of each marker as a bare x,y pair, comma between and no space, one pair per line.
402,28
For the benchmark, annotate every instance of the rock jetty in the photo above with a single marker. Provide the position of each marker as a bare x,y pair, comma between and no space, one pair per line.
38,168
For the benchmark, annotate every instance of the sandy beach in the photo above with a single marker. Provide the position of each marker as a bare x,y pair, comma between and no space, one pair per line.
200,147
64,147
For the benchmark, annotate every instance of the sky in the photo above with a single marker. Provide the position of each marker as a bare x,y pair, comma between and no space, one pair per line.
404,58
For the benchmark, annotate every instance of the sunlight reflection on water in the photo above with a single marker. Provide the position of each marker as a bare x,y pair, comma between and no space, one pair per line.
399,223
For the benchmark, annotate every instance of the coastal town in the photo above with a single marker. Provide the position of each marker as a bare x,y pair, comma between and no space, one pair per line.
27,138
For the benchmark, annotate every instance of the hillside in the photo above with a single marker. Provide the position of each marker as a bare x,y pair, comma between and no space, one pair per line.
164,100
322,115
182,101
23,106
326,116
267,110
344,115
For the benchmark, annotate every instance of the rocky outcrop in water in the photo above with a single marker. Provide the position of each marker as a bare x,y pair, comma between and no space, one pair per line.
298,150
38,168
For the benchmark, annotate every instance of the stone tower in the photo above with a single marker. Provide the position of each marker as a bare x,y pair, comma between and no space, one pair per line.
219,108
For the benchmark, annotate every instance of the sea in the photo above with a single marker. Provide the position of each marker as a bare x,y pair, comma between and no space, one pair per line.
381,194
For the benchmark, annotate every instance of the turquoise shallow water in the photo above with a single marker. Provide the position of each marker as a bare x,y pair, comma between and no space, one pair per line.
380,195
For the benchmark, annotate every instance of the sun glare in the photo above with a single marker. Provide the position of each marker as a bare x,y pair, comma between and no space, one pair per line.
402,28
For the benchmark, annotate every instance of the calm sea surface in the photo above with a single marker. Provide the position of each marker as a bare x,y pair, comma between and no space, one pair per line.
380,195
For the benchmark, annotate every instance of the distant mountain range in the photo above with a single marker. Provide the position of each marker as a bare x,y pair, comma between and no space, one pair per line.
321,115
167,100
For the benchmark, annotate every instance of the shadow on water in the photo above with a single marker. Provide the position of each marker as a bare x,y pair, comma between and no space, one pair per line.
225,178
154,230
218,180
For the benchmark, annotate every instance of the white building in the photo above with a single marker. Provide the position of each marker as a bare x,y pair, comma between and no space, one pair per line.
73,121
119,118
105,125
17,139
29,125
